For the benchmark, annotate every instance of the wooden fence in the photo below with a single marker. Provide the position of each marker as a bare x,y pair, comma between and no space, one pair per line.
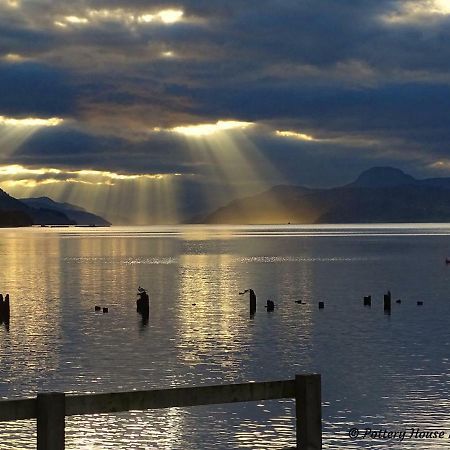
50,409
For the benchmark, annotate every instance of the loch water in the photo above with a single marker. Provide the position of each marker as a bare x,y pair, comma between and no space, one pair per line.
379,371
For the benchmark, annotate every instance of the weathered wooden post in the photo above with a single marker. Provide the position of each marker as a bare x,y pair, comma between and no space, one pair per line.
308,411
6,306
51,410
4,309
143,305
368,300
387,302
252,302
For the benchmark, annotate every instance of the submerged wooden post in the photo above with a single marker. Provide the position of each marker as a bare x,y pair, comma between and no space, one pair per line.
308,412
252,302
51,410
6,305
387,301
270,305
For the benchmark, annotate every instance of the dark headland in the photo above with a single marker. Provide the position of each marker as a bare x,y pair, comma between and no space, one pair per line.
43,211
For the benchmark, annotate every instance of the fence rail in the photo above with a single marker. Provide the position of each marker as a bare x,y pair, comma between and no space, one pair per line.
50,409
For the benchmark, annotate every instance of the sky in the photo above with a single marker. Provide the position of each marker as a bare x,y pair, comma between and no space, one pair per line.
159,110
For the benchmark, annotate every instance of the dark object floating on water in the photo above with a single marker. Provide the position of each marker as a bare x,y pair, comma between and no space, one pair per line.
367,300
97,308
194,304
252,300
300,302
447,260
419,303
105,310
398,301
270,305
321,305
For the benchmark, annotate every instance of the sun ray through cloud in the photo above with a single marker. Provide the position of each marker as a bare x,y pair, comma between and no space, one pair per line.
15,131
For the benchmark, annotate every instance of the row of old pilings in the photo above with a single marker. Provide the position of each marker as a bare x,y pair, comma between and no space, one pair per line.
270,305
387,302
4,309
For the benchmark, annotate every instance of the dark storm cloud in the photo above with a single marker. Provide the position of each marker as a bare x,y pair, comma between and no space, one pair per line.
30,89
366,70
66,148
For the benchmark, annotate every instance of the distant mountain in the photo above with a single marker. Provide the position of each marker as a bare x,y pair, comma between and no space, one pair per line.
281,204
378,195
14,219
12,212
43,211
75,213
379,177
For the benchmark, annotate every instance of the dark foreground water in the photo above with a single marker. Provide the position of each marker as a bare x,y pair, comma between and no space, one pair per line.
378,371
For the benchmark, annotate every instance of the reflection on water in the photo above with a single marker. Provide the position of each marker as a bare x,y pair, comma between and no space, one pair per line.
378,371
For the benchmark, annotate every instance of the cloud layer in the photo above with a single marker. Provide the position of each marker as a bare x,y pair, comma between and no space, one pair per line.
368,82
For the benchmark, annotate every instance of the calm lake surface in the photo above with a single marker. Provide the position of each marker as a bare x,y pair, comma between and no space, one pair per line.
378,371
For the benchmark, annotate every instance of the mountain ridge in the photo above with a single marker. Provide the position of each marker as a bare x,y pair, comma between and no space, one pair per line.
380,194
43,211
75,213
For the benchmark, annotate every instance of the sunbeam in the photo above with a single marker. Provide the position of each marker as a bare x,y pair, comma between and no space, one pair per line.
231,160
15,131
133,198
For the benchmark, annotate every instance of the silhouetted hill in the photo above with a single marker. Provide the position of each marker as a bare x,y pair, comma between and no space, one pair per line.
281,204
15,219
38,216
378,195
75,213
378,177
12,212
43,211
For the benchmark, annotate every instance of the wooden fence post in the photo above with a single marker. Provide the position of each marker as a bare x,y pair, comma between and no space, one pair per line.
308,411
51,410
